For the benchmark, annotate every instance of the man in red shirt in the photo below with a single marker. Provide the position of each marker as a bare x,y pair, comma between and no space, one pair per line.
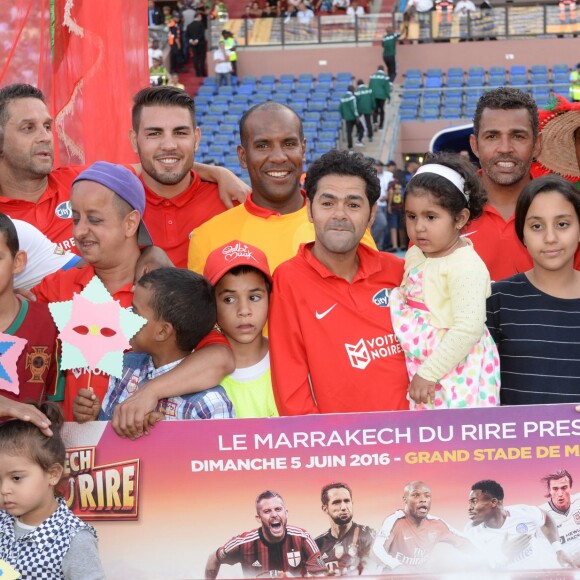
275,549
165,136
107,202
332,345
408,537
505,139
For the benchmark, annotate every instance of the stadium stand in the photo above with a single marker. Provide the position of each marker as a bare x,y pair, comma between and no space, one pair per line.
435,94
315,99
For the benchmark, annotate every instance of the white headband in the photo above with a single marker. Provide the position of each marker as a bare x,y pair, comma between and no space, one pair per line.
446,172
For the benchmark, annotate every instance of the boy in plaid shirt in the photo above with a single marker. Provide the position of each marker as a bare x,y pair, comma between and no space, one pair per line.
179,307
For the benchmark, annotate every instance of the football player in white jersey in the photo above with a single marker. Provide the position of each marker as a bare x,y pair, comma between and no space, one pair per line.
564,508
512,537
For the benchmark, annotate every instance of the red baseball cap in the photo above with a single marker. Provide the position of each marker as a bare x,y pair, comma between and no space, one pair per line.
231,255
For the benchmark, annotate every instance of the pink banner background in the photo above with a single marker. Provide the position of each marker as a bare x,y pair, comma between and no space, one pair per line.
183,515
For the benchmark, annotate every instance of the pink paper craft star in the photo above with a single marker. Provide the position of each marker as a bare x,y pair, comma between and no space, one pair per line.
95,329
11,348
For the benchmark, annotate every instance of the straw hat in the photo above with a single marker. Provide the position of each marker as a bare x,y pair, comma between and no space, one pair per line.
557,125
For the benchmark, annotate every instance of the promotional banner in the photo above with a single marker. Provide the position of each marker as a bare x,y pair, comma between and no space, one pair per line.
164,504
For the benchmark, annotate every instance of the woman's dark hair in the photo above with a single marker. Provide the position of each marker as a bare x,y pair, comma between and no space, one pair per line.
448,196
544,184
24,438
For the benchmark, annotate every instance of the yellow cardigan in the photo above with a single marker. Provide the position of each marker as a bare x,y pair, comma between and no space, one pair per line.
455,288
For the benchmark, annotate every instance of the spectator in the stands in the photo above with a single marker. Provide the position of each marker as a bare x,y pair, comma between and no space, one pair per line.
340,5
154,52
196,40
253,10
223,67
355,9
291,12
304,14
323,6
155,14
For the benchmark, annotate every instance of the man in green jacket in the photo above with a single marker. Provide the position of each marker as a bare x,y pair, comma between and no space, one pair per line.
349,112
365,103
380,85
389,52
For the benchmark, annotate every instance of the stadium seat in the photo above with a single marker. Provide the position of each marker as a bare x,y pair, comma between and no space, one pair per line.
561,89
476,71
433,82
325,76
247,89
451,112
287,79
434,72
324,86
344,76
455,81
327,135
414,73
312,117
475,80
412,83
226,90
454,100
560,77
218,149
222,138
221,100
409,105
518,80
304,87
431,100
229,128
318,106
429,114
332,116
210,81
408,114
267,79
306,78
561,68
241,99
455,71
518,69
206,90
496,80
249,80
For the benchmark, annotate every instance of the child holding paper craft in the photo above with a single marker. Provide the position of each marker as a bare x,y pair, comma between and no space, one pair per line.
242,282
39,536
179,307
534,316
28,367
439,310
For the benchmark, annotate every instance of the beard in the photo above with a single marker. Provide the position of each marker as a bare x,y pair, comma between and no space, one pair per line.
342,521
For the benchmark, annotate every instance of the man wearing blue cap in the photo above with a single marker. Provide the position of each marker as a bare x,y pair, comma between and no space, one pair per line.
107,203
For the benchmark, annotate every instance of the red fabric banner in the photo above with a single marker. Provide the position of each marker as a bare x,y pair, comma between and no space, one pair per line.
99,62
25,40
